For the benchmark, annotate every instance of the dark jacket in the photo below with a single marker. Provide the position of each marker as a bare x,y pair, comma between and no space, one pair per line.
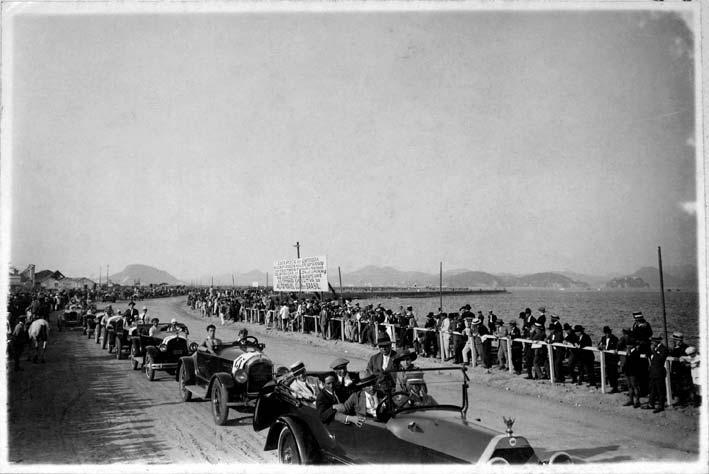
324,405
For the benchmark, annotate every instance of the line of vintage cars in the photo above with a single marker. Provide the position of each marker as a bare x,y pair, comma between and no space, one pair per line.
238,375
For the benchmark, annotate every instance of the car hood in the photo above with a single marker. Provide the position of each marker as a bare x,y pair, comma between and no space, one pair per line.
443,431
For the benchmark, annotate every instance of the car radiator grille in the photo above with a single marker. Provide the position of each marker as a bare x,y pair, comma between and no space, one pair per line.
260,372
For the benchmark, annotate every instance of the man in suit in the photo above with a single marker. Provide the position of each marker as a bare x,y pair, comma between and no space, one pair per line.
364,401
131,313
657,372
633,366
609,342
383,361
345,381
331,408
305,388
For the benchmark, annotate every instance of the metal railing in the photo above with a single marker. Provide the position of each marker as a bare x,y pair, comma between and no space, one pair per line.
271,320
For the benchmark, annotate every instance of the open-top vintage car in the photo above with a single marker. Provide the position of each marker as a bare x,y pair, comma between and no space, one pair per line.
410,426
162,351
230,378
71,316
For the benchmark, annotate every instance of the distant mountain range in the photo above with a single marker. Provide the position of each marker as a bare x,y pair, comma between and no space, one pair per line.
646,277
144,274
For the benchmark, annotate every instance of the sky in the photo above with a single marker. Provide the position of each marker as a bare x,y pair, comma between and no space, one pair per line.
499,141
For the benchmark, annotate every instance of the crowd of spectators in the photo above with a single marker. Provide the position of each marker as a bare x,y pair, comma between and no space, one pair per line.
456,336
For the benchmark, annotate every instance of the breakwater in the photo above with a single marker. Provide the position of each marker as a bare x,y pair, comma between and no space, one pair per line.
394,292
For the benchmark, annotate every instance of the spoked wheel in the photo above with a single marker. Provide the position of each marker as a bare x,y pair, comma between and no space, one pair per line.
220,410
149,372
185,394
288,452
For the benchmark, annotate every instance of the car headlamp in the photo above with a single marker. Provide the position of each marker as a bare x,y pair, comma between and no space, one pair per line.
240,376
162,347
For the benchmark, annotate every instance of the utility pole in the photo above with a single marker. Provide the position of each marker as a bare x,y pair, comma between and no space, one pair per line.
100,269
662,292
107,280
297,248
300,281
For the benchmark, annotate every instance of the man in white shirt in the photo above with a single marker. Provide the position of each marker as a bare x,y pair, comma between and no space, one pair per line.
153,331
284,315
143,317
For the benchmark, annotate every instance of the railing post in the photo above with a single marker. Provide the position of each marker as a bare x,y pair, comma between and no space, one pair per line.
474,353
440,346
342,329
376,332
510,366
393,336
603,372
668,383
550,352
316,322
359,331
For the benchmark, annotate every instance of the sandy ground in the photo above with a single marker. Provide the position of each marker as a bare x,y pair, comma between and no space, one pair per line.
85,407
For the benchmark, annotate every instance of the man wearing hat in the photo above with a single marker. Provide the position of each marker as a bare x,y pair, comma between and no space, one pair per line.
515,333
501,332
609,342
657,373
542,318
418,391
492,322
482,343
556,336
586,358
305,388
430,339
131,313
555,323
444,330
633,367
678,346
363,402
679,372
344,381
383,361
641,331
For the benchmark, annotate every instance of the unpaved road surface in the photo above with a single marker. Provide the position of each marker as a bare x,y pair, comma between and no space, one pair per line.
85,407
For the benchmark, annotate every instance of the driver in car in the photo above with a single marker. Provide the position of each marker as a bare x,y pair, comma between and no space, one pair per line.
418,391
211,342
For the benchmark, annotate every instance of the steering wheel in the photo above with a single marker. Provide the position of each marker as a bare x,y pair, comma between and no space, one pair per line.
391,404
248,341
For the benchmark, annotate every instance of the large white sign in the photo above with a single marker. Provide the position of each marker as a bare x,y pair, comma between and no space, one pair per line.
294,274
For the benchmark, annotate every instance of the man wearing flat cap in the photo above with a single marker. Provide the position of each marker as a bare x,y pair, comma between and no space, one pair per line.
383,361
344,380
641,331
656,373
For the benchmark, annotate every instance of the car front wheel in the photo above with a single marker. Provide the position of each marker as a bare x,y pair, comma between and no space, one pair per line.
220,410
149,372
288,452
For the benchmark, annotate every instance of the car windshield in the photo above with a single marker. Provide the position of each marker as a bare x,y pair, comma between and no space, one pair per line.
416,387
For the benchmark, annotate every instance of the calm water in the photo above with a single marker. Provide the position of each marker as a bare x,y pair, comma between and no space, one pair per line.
591,309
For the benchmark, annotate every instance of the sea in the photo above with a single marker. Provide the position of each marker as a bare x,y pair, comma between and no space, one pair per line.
590,308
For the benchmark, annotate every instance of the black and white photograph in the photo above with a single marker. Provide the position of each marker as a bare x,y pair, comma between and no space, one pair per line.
239,235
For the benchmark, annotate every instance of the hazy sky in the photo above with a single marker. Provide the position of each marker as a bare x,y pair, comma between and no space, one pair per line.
497,141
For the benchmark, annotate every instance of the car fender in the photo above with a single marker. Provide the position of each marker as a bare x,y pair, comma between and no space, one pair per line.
189,363
306,441
224,378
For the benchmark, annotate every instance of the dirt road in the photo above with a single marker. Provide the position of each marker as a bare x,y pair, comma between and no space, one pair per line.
84,406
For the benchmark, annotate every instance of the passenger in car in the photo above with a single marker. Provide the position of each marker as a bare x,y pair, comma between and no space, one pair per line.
154,328
305,389
363,402
418,391
330,407
211,342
